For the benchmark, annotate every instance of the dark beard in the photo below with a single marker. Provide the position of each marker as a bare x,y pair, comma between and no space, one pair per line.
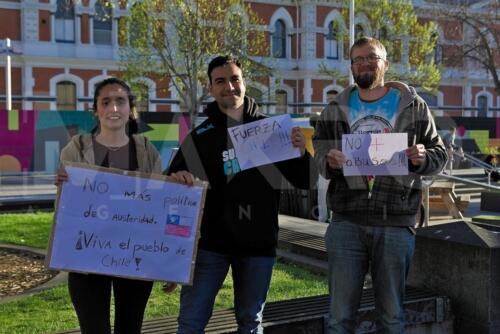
368,80
365,80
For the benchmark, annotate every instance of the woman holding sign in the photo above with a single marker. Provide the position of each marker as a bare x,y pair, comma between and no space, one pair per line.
113,143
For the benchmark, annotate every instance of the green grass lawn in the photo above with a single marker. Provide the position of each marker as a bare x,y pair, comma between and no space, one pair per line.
51,310
30,229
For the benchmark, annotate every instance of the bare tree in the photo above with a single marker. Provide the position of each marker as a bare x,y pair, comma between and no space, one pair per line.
480,29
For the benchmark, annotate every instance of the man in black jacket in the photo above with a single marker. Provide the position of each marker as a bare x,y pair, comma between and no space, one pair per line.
239,227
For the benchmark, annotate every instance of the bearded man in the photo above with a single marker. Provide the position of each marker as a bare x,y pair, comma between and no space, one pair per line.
373,218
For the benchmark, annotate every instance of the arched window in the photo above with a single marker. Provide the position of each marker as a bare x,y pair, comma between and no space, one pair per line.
279,39
332,45
330,95
254,93
359,31
482,106
66,96
102,22
281,101
65,21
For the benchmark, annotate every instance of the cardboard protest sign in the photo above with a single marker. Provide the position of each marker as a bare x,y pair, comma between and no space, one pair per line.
375,154
126,224
263,142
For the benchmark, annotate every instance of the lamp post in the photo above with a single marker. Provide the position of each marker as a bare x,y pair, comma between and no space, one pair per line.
8,77
9,51
351,34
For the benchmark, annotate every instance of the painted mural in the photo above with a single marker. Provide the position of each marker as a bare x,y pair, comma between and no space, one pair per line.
476,135
31,140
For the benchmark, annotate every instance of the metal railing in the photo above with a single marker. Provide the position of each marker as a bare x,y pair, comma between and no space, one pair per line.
468,181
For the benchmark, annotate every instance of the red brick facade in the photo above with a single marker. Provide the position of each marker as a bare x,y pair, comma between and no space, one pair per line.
84,62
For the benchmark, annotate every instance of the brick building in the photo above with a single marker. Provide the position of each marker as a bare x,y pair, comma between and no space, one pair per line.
62,51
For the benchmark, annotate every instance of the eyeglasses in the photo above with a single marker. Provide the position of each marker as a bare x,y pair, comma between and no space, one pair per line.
373,58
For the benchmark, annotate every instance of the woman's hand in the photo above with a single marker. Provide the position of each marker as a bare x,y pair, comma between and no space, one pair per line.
61,176
183,177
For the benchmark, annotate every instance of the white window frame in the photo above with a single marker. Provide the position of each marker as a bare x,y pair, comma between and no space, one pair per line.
282,14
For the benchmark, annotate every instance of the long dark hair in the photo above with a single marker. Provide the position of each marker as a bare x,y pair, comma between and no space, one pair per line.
132,124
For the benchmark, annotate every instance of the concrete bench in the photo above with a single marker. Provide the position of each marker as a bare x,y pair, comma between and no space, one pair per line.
461,260
490,201
490,205
302,243
42,202
425,312
487,220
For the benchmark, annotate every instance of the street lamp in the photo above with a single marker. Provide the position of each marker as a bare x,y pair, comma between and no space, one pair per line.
8,50
351,34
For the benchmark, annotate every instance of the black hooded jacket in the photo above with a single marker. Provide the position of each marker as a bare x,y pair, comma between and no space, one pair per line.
241,209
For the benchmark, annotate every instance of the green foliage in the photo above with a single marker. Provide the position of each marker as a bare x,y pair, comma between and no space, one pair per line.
175,39
393,22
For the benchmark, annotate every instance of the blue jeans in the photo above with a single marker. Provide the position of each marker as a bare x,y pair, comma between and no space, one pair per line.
251,279
352,249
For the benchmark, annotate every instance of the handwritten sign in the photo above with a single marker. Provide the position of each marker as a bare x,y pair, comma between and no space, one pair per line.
375,154
263,142
126,224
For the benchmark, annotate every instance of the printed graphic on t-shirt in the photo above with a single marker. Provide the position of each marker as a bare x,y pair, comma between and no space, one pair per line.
230,162
373,117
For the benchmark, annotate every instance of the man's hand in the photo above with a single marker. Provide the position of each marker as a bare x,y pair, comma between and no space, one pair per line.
298,140
335,159
61,176
417,154
184,177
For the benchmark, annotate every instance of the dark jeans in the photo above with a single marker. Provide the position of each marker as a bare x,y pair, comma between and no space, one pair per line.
251,279
91,297
352,249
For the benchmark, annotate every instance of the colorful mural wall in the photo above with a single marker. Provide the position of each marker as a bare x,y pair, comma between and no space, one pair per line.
476,135
31,140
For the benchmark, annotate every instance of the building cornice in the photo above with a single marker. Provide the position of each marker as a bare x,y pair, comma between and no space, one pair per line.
10,5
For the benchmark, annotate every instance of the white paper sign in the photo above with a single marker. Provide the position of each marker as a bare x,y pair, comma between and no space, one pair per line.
375,154
263,142
128,226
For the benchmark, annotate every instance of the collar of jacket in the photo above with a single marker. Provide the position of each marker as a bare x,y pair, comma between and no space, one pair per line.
408,94
86,148
250,113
